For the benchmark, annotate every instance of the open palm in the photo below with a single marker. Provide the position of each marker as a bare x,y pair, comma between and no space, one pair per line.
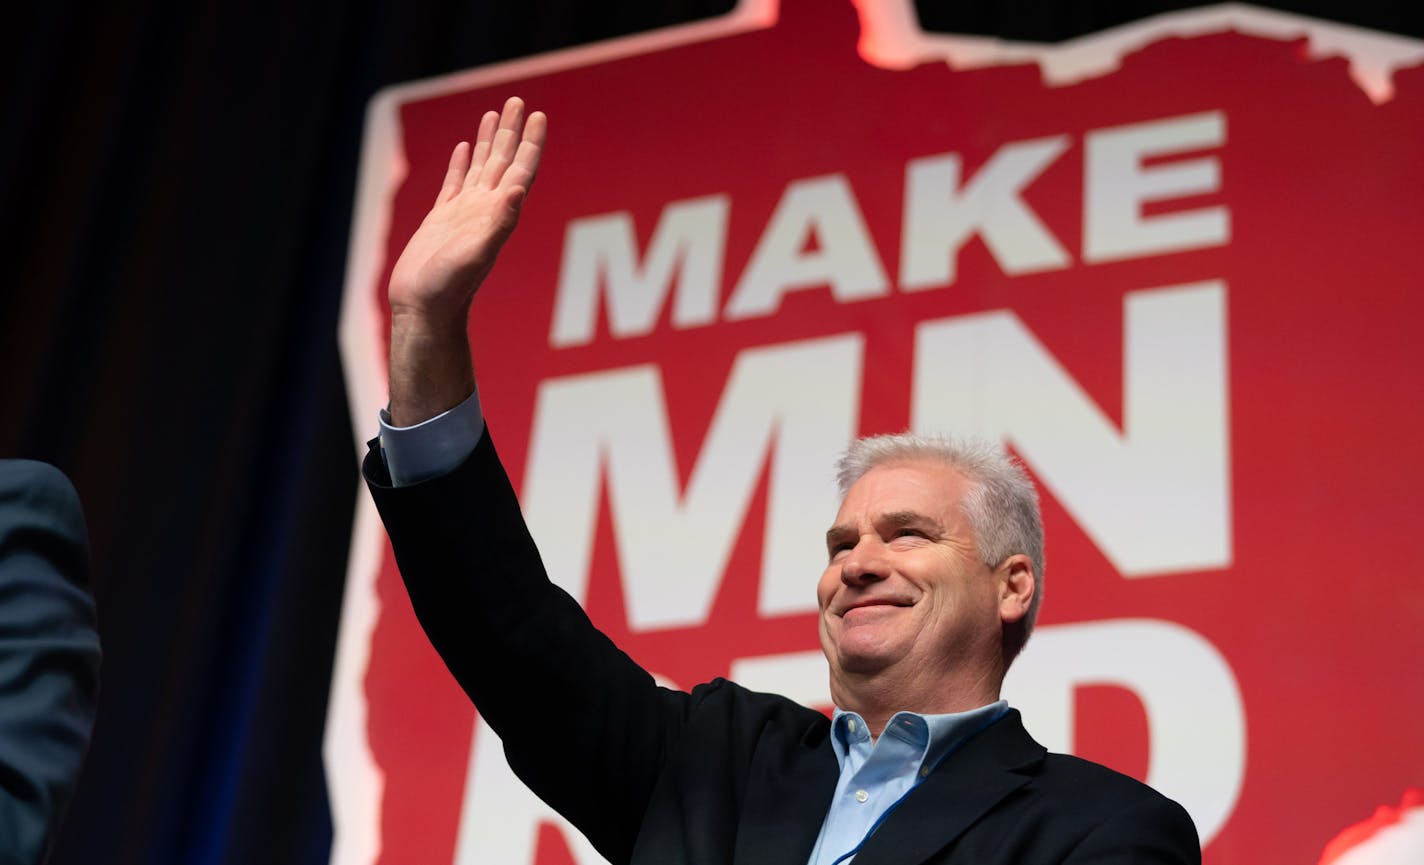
455,247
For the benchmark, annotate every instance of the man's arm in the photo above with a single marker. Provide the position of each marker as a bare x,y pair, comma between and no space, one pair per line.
448,258
49,655
582,724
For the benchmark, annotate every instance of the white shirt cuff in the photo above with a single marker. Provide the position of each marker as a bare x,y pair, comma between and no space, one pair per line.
431,447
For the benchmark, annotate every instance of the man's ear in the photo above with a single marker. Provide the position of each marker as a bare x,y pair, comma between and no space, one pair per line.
1017,586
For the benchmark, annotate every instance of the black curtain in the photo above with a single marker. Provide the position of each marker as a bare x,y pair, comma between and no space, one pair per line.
176,181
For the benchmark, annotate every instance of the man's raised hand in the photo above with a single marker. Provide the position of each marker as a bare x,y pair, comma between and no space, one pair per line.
448,257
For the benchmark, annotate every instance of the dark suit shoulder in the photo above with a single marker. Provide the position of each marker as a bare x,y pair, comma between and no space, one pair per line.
1072,771
1116,812
1018,803
32,473
728,705
39,495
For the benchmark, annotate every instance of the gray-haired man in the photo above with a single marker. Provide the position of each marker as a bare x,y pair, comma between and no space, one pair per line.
932,583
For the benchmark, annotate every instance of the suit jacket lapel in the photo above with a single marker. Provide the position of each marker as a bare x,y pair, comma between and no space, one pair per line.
968,784
788,793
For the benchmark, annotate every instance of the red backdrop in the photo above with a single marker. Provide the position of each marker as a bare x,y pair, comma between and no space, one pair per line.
1175,271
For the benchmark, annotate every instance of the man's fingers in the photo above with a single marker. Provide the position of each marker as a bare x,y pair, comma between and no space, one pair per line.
455,174
512,117
506,141
488,124
535,131
525,166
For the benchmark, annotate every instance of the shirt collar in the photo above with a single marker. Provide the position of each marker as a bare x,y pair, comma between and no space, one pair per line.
935,736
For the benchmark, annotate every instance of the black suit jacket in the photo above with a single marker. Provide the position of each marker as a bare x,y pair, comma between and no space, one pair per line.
722,774
49,655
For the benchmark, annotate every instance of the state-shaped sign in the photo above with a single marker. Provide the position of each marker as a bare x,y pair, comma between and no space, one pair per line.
1172,266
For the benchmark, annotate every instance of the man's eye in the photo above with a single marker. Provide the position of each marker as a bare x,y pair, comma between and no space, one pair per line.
909,533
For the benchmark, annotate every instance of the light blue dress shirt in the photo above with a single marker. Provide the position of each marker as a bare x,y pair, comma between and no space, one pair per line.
874,777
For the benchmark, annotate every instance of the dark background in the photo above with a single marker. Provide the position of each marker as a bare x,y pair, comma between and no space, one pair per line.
177,181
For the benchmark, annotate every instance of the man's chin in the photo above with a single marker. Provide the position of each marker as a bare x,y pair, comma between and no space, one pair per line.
862,648
863,661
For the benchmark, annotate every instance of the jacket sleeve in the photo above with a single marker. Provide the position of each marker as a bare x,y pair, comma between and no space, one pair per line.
582,724
49,655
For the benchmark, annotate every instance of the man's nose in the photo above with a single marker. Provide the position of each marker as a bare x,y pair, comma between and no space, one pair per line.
865,563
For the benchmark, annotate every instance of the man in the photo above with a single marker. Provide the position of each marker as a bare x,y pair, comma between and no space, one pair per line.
49,655
930,589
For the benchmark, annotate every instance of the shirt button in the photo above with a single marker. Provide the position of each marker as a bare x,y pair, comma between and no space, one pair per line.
924,773
850,724
861,795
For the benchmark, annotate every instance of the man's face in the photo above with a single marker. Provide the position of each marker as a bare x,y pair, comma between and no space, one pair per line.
905,583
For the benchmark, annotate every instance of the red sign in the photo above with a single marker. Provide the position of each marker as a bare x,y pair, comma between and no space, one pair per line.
1174,267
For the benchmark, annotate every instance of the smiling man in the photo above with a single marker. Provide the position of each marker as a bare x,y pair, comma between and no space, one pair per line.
910,603
931,587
